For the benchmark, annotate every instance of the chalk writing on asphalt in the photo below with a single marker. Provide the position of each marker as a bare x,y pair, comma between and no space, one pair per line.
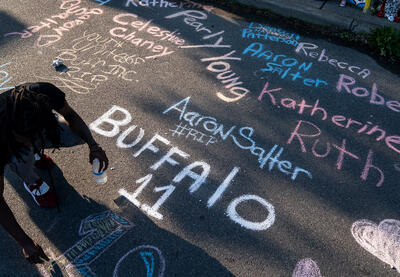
381,240
192,18
240,136
103,2
227,77
217,64
92,60
128,44
189,132
188,171
348,84
263,28
304,137
57,24
101,231
283,65
4,77
199,180
150,255
308,136
260,31
317,111
136,26
248,33
304,48
165,4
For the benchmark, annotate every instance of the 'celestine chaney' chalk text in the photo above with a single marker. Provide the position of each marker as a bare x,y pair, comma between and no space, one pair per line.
132,27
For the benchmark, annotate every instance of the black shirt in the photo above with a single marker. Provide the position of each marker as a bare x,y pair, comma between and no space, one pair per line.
56,98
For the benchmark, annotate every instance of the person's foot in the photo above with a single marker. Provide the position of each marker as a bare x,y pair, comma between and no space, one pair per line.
342,3
43,162
42,194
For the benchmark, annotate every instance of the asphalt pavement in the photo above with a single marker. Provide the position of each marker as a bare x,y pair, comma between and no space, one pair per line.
237,146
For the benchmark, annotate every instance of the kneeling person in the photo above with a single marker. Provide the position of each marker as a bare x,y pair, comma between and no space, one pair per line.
28,124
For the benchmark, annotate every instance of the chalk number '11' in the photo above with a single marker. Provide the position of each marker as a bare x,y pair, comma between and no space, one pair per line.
231,210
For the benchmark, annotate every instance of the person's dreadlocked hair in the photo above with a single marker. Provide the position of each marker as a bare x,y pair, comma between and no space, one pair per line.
28,114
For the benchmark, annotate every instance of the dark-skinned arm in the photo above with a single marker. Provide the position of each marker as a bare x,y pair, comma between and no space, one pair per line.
78,126
32,252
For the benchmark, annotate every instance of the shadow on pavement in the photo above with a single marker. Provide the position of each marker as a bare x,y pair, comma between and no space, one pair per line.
337,193
8,23
90,238
60,229
182,258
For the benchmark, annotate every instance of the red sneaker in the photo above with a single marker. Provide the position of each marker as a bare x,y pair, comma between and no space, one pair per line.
44,162
42,194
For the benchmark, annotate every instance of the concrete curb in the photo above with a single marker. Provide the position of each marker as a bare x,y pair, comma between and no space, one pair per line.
331,15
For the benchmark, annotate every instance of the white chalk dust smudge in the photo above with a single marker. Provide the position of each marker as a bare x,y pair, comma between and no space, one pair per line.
306,268
382,241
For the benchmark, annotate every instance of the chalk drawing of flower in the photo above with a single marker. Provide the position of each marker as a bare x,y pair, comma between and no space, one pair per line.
382,241
306,268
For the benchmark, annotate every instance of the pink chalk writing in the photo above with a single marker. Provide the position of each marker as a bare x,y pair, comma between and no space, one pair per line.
304,48
56,23
306,133
167,4
315,110
347,84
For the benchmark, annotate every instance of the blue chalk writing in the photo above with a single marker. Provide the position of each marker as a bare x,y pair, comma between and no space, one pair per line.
98,248
120,219
257,49
149,266
3,79
260,28
94,217
100,231
285,67
85,271
260,31
102,2
248,33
